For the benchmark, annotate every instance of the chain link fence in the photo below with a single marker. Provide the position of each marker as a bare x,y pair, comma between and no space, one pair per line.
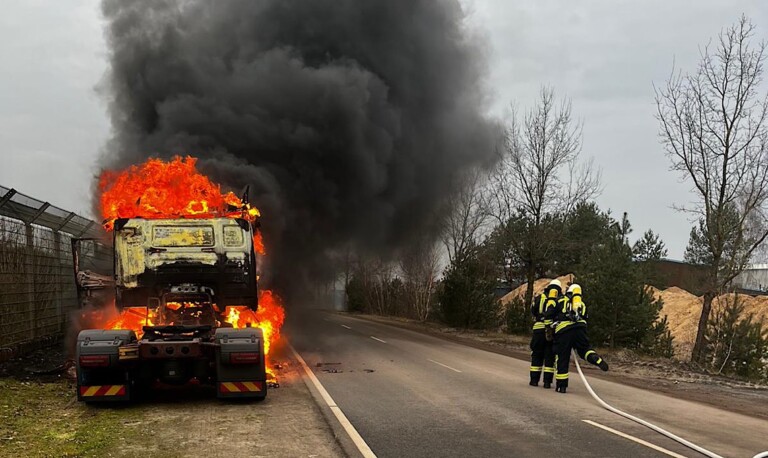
37,285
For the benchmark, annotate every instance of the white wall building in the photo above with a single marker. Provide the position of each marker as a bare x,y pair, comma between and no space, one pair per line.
754,277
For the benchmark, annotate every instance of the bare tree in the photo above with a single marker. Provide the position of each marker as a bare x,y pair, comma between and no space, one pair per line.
540,175
464,224
419,265
713,127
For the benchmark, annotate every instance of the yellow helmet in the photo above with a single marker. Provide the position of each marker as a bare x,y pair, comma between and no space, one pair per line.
574,290
554,288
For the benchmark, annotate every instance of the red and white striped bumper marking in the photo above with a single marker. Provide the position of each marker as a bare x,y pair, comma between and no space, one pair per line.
102,390
240,387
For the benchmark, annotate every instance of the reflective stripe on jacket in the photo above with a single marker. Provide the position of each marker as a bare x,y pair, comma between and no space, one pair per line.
540,311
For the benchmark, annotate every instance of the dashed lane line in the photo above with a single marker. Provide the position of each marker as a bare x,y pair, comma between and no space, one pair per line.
444,365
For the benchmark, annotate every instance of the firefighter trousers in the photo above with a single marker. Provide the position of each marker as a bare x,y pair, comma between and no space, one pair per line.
542,358
573,337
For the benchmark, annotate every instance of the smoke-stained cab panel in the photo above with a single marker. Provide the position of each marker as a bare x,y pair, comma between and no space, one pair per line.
129,255
182,236
152,254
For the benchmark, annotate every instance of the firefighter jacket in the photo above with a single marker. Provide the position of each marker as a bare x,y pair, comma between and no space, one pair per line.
540,308
568,313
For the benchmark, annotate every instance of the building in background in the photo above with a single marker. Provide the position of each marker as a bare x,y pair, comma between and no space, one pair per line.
753,279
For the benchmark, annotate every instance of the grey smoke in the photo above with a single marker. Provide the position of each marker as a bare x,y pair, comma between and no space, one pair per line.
352,120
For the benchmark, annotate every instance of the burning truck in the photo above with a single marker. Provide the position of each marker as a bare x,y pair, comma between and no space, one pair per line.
186,295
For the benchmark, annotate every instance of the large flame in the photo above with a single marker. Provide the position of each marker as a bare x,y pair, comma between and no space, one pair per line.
159,189
133,318
269,317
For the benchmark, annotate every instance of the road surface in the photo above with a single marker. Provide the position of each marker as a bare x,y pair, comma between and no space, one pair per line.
410,394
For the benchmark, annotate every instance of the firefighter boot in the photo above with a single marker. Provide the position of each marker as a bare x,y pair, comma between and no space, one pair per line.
595,359
535,375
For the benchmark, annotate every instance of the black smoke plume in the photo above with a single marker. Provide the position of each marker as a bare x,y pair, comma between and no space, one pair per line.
352,120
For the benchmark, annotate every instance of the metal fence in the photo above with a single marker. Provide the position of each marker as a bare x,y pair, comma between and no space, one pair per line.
37,288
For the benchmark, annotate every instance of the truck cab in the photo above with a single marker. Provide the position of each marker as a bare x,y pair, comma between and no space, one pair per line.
153,255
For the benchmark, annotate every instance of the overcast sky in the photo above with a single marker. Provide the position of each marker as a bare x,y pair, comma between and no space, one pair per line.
603,54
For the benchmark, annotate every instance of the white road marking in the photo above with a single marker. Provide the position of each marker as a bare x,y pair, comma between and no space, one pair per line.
445,366
376,338
345,326
359,442
634,439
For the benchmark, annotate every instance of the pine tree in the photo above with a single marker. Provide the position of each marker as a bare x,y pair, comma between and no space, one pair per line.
649,248
736,344
622,312
518,317
583,229
467,294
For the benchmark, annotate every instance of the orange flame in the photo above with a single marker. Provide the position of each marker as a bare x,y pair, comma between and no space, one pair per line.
258,243
133,318
269,317
160,189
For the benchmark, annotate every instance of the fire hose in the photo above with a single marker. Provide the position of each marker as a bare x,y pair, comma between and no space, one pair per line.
659,430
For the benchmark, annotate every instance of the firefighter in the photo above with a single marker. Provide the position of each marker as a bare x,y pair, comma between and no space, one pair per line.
542,356
569,319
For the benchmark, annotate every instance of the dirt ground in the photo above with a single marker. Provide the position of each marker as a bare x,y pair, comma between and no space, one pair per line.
40,416
668,376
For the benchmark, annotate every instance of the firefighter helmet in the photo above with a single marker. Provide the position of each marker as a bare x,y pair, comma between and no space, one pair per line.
574,290
554,288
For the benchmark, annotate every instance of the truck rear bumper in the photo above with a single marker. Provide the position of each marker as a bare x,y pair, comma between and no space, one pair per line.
241,389
103,393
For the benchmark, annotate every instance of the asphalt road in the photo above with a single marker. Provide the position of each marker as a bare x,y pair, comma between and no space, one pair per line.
412,395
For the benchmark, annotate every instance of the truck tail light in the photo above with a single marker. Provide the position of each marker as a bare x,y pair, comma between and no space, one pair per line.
94,360
244,358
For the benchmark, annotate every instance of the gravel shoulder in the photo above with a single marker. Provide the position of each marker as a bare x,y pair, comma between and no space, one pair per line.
40,417
668,376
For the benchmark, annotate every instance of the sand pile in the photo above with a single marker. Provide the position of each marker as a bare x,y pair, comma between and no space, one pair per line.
683,311
757,305
538,288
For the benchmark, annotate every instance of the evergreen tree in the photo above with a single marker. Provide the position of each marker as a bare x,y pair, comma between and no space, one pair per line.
736,344
649,248
518,317
659,341
467,294
583,229
622,312
356,294
647,251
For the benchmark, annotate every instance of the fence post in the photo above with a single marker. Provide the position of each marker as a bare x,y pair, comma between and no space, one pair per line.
30,278
58,294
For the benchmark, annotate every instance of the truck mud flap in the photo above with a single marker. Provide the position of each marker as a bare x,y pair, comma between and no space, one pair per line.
103,393
247,389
